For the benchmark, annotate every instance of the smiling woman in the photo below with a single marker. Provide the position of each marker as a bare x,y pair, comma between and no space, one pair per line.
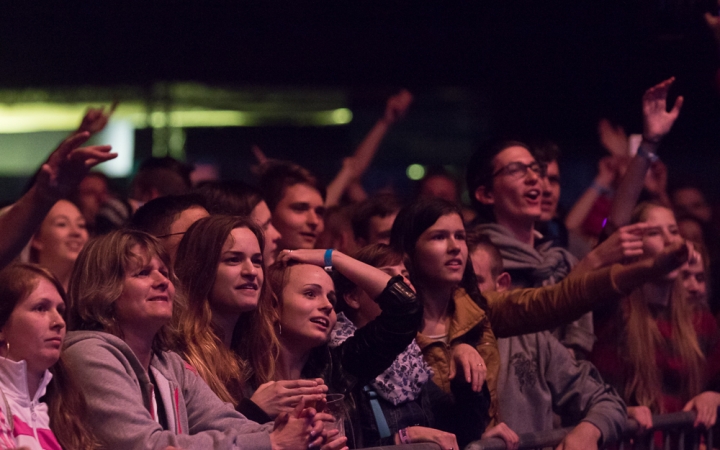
139,395
59,240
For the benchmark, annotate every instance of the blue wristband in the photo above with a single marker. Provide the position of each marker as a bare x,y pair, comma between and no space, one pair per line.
328,259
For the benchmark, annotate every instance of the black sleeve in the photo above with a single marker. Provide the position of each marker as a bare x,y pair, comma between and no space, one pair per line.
374,347
252,411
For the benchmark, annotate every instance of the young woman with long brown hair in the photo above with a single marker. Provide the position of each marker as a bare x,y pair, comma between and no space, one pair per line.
658,350
139,395
220,267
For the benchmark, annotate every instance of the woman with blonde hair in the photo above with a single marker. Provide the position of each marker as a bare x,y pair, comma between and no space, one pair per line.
659,351
139,395
221,270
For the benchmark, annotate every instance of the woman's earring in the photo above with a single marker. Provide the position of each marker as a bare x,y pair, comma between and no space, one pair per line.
279,332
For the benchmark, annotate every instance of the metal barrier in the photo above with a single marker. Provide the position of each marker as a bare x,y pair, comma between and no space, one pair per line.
676,429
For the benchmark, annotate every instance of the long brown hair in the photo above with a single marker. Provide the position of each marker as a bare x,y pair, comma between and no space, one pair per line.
66,403
200,343
644,338
264,353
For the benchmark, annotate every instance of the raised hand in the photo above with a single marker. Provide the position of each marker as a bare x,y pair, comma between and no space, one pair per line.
473,366
276,397
657,121
96,119
613,138
397,106
69,163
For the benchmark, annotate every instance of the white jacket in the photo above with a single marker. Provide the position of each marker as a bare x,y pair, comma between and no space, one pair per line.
30,421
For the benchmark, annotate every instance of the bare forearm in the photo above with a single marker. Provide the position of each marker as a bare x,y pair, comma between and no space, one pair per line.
581,208
630,188
21,221
365,152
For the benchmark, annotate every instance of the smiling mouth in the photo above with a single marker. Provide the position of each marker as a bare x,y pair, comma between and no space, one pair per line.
248,286
160,298
321,321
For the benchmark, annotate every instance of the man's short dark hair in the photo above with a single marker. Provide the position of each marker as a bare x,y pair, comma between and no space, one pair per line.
277,176
479,241
379,205
156,216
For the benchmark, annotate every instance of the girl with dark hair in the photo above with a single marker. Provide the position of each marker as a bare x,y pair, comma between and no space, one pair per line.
220,267
139,395
431,235
32,330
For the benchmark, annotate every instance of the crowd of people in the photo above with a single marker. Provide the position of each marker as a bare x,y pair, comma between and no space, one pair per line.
231,315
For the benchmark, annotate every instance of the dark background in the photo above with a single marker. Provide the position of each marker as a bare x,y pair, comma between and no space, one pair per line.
534,69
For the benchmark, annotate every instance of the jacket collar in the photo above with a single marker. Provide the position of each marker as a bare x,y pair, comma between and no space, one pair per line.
14,380
466,315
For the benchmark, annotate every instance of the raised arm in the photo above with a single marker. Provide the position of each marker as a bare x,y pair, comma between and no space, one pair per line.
529,310
373,348
57,177
602,184
368,278
657,122
355,166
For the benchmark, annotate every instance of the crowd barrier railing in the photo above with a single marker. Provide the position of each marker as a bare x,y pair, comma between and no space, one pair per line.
676,430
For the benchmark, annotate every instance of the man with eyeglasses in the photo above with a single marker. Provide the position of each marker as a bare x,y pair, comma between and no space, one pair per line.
506,185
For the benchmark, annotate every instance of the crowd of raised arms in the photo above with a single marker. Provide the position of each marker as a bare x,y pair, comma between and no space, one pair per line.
288,315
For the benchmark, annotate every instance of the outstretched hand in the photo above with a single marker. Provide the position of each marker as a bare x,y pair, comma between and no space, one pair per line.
624,243
397,106
674,256
657,120
69,163
96,119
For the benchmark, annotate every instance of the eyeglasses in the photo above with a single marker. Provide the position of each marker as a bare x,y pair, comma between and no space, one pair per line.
519,170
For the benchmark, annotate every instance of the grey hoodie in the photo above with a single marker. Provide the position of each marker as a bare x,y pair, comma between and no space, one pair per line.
118,393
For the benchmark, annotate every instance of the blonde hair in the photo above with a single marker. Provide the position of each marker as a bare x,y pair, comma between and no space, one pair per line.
98,279
644,338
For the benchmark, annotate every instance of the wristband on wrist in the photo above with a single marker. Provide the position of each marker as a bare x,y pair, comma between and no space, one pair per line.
328,260
404,438
650,156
